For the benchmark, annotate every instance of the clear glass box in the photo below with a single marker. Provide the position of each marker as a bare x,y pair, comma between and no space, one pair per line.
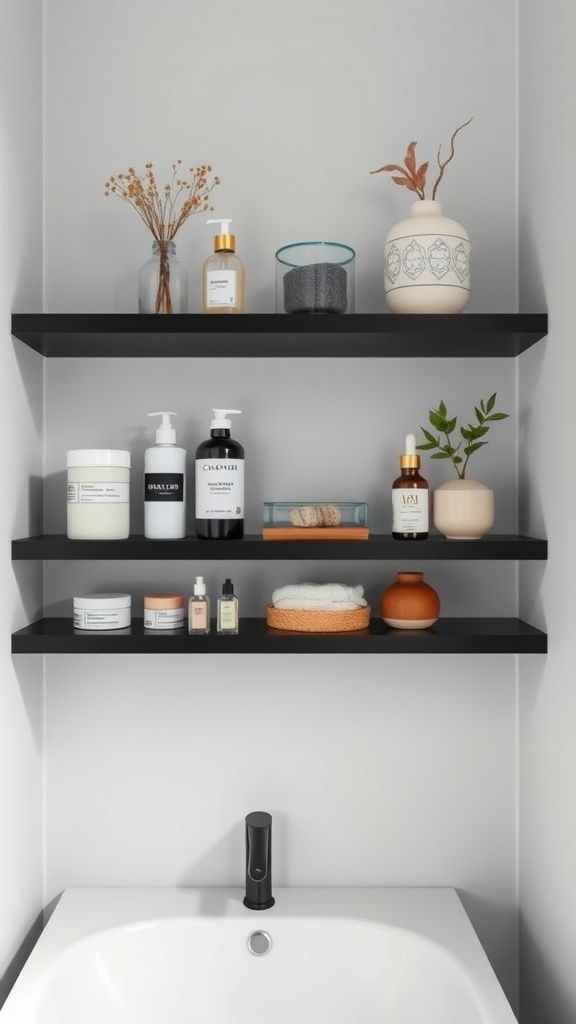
315,514
315,277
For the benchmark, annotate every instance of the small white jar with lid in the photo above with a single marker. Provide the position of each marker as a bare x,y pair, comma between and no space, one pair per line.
102,611
98,499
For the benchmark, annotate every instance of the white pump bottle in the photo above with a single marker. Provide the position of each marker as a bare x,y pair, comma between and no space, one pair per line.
223,276
165,484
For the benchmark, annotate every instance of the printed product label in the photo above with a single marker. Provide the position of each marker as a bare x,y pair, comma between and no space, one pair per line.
221,287
219,488
227,613
198,615
100,493
163,487
163,618
410,510
112,619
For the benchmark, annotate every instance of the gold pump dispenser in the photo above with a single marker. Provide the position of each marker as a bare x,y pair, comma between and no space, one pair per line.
223,242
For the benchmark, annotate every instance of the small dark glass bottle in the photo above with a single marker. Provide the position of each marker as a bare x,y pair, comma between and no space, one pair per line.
410,497
219,474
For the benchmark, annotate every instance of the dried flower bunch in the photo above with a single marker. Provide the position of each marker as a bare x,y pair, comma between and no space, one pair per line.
164,210
472,434
414,178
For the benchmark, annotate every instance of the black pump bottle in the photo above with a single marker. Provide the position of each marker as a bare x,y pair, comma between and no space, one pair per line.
219,474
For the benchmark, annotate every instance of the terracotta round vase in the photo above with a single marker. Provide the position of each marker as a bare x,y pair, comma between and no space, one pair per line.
427,263
463,509
410,603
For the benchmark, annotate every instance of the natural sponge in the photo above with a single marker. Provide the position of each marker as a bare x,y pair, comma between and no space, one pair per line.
316,515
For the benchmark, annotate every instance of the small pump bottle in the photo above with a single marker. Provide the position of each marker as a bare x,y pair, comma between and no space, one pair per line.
227,618
199,608
219,471
165,484
410,497
223,277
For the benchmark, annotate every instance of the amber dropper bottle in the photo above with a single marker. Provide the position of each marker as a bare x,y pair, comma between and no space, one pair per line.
410,497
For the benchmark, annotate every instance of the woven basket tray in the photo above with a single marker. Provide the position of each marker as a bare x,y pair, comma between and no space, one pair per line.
306,621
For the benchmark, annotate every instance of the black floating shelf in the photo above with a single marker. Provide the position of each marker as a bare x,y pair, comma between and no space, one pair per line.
384,547
447,636
353,335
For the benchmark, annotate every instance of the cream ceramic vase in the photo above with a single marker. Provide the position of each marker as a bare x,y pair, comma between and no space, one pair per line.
427,263
463,509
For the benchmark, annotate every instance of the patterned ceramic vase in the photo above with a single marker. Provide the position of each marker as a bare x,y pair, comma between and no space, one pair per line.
410,603
427,263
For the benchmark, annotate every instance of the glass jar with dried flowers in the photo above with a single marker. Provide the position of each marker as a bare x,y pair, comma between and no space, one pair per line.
426,256
163,281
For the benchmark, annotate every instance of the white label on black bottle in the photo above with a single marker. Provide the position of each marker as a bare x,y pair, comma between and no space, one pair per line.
410,510
219,488
221,287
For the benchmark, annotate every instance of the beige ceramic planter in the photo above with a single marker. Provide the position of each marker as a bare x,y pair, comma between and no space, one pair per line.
463,509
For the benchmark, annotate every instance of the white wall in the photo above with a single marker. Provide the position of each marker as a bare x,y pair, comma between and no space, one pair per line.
151,765
293,105
548,690
21,854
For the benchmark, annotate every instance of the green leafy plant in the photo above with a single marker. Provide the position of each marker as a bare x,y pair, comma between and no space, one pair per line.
471,435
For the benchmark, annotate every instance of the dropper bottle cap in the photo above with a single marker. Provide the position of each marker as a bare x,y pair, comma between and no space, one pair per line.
228,588
199,586
410,460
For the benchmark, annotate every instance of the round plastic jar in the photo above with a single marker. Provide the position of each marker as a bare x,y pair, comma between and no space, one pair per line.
163,611
102,611
98,494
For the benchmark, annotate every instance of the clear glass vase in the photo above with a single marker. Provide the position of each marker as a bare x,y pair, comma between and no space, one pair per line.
163,281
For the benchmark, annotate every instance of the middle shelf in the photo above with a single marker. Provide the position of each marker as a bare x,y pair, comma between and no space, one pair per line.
446,636
378,547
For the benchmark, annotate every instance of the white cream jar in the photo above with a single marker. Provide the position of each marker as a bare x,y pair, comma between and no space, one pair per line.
102,611
98,498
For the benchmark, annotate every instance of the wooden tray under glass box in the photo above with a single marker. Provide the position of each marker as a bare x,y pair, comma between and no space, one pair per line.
315,520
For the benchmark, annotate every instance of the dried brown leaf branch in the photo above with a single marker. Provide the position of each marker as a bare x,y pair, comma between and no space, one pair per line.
414,178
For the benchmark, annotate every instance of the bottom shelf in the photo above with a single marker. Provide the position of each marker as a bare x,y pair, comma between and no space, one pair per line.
447,636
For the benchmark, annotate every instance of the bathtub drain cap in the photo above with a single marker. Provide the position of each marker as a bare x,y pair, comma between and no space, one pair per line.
259,943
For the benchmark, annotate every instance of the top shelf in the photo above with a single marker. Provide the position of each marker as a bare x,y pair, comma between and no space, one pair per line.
255,335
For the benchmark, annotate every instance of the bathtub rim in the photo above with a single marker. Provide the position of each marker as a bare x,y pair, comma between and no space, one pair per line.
435,913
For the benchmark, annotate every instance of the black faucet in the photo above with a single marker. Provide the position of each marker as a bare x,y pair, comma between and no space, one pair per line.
259,861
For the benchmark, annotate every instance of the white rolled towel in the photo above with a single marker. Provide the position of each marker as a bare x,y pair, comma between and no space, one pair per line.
327,597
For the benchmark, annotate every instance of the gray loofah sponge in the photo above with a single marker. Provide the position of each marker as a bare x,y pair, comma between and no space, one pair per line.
315,288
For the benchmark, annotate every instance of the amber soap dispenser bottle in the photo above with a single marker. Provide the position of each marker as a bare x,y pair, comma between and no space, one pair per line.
410,497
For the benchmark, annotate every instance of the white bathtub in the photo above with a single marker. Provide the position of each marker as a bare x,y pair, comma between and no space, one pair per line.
181,956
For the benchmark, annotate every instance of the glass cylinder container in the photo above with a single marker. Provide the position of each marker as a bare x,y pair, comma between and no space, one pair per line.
163,281
315,277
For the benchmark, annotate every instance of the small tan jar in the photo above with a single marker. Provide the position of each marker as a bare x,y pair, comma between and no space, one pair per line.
163,611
